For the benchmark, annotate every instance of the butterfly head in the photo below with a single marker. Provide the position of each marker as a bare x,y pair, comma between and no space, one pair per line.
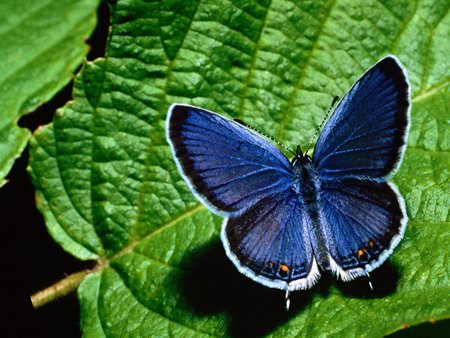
300,158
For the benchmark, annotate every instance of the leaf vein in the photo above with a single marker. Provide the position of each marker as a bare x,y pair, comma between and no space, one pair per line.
256,49
288,110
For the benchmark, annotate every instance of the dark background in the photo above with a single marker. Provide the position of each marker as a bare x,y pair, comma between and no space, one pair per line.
32,261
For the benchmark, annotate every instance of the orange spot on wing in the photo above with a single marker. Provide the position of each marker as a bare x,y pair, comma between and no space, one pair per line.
360,253
284,268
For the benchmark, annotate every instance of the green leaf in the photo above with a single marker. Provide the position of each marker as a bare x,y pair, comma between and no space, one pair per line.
109,189
41,44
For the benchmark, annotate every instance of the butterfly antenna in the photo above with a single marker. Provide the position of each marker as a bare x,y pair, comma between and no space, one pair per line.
336,98
265,135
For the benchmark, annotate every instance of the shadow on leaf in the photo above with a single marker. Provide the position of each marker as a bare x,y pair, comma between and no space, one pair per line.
384,281
254,309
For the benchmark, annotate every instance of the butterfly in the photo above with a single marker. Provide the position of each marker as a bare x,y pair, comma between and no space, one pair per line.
286,221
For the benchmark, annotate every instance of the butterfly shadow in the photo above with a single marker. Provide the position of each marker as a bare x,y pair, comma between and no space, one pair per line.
212,284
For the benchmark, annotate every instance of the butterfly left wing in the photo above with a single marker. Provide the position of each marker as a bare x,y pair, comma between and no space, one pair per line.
240,175
228,167
270,243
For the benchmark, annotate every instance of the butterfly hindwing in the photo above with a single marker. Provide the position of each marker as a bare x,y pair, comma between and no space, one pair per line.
366,135
364,221
228,167
269,243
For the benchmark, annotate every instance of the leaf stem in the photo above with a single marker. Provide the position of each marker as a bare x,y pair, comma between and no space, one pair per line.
60,289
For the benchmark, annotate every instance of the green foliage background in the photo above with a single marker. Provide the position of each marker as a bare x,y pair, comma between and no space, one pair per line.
41,44
109,190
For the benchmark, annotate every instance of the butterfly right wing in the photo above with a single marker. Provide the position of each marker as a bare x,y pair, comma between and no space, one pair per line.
228,167
270,243
366,135
363,217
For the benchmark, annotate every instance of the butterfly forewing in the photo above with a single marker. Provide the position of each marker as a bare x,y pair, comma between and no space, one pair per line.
227,166
366,135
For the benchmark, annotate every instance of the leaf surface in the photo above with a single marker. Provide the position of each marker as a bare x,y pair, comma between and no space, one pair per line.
110,191
41,44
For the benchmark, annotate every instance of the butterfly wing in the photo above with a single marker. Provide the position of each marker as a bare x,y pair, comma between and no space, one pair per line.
366,135
270,243
364,221
364,217
228,167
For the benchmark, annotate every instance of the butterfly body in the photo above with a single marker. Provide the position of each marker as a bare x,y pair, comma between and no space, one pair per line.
306,183
285,221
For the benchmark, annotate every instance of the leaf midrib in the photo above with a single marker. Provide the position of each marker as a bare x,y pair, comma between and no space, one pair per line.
163,316
433,90
187,213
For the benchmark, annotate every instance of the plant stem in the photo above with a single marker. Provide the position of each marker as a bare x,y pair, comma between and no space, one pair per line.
61,288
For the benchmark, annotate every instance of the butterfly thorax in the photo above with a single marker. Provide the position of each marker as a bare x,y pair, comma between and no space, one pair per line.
305,180
304,177
306,184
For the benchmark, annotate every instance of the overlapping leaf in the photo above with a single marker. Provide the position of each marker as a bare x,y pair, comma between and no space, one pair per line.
41,44
110,191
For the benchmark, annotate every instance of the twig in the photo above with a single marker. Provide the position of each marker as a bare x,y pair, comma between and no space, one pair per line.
61,288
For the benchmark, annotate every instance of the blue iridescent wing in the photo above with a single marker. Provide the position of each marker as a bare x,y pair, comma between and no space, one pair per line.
270,243
228,167
363,222
363,217
366,135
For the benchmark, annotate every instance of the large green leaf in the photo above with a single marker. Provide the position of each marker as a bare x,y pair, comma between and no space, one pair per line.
41,44
109,189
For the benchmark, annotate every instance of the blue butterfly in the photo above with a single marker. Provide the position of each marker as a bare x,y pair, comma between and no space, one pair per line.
285,221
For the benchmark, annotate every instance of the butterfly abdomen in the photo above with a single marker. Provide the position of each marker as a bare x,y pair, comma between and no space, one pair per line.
306,185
